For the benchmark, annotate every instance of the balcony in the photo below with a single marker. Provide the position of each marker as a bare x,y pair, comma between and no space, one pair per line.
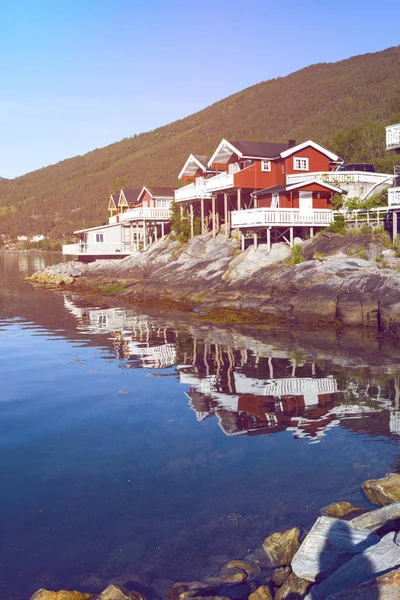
394,196
341,177
145,214
94,249
281,217
193,191
393,137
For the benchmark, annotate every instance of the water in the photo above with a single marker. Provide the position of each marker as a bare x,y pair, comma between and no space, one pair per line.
142,446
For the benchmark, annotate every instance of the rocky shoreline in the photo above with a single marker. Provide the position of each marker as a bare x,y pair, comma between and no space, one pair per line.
349,553
332,280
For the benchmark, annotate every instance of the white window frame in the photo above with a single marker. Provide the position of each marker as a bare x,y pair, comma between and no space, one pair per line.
99,238
266,166
300,163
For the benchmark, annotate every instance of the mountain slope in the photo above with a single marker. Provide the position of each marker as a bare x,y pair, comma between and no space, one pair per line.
315,102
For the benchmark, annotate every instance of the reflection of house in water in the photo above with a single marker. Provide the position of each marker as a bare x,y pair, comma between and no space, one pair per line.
134,338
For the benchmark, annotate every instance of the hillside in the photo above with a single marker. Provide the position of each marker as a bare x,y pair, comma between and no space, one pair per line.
316,102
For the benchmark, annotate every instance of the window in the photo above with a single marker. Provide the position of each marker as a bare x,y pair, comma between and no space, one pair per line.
100,237
300,163
164,203
266,166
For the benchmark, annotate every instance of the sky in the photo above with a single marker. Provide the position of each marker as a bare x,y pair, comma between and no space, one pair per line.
76,75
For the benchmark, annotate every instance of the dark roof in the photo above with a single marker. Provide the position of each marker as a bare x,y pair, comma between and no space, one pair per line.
115,198
160,191
260,149
203,160
131,195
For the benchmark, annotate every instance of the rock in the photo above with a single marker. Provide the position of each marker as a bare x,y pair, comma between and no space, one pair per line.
330,543
234,576
162,585
210,598
383,491
341,509
280,547
61,595
382,557
293,588
280,574
117,592
316,303
251,569
261,593
385,587
377,518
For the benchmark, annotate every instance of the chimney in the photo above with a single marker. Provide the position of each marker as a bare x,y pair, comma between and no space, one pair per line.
291,143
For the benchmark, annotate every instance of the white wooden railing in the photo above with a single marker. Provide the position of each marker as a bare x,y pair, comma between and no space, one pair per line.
92,248
193,191
394,196
141,214
220,182
393,137
341,177
362,216
281,216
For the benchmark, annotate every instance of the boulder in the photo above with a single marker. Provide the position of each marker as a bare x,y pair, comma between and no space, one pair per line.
341,509
376,560
329,544
280,547
316,303
383,491
261,593
293,587
117,592
377,518
385,587
251,569
280,574
61,595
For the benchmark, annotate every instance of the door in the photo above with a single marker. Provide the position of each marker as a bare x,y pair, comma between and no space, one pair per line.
275,200
305,203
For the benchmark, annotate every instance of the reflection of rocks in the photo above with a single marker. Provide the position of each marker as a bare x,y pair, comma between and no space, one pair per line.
280,548
61,595
383,491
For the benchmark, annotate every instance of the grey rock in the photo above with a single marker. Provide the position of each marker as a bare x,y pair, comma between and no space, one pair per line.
329,544
377,518
373,562
384,587
383,491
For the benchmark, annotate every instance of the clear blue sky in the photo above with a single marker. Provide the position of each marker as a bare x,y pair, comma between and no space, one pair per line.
79,74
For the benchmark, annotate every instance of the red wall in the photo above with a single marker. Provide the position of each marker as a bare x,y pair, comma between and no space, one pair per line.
316,161
147,201
287,200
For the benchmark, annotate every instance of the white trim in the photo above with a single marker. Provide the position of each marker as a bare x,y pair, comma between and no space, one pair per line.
122,194
224,142
98,227
298,162
322,183
191,158
145,189
113,201
314,145
268,165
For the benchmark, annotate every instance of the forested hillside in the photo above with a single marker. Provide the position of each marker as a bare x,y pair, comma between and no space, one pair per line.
344,105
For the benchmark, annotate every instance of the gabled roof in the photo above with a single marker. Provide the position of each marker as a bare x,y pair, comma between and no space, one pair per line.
131,195
114,199
157,192
193,163
246,149
295,186
299,147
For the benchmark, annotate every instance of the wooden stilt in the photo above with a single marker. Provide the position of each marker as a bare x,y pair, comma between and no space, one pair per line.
394,227
213,215
226,214
145,235
291,237
311,232
191,220
162,229
242,241
137,237
239,199
269,239
255,241
202,215
155,233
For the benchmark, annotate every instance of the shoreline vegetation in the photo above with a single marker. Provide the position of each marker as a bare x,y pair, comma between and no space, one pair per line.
349,553
331,281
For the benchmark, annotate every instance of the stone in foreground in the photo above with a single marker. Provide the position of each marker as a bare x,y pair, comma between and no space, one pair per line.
280,574
340,509
383,491
330,543
293,587
117,592
373,562
385,587
377,518
43,594
261,593
280,547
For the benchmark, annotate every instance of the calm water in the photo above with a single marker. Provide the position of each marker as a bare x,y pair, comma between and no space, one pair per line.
140,447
